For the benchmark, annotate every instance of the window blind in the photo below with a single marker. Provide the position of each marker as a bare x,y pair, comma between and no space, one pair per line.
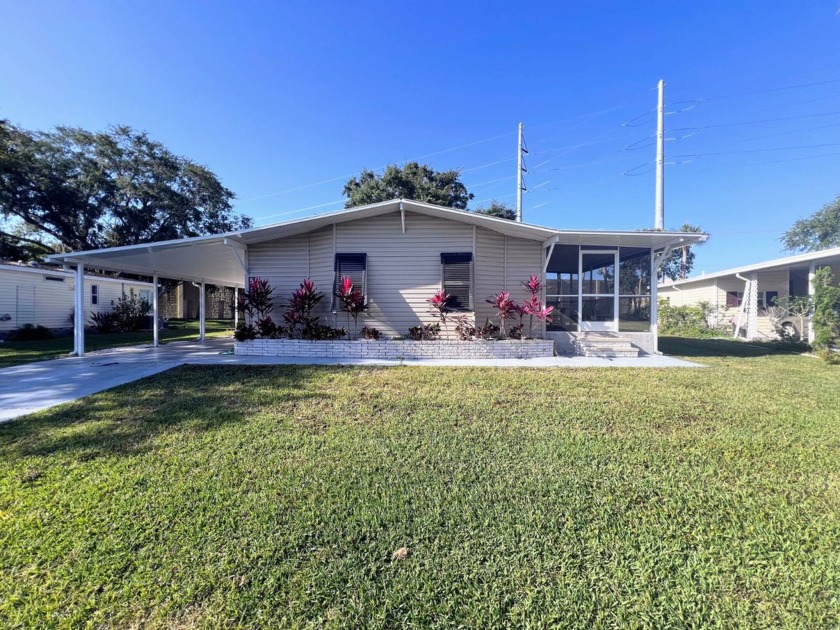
457,280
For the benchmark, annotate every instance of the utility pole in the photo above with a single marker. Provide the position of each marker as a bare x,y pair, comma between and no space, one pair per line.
660,159
520,171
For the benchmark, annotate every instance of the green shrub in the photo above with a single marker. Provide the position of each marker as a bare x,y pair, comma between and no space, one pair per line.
826,318
424,332
687,321
131,311
104,321
30,332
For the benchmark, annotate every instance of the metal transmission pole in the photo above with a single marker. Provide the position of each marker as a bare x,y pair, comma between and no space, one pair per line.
520,171
660,159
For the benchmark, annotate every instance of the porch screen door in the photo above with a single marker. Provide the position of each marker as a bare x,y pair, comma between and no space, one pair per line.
598,298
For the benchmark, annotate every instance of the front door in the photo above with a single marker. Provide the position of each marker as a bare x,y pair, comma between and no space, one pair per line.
598,294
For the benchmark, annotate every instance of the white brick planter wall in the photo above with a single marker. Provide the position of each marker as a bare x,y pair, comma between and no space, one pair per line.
395,350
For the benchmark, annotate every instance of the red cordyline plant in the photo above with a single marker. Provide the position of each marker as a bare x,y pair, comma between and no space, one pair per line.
533,307
299,314
437,304
505,309
256,302
351,301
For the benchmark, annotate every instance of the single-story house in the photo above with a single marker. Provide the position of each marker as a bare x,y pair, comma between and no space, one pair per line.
400,252
746,298
44,296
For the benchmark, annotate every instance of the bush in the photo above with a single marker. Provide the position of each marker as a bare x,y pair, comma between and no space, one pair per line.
424,332
686,321
30,332
245,332
826,315
371,334
464,328
130,311
319,332
105,321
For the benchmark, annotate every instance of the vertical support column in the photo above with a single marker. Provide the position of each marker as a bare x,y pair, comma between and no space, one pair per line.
155,312
201,312
752,306
79,310
235,309
654,305
812,273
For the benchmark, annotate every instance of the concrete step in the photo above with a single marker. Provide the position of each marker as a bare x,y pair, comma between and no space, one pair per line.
609,354
605,345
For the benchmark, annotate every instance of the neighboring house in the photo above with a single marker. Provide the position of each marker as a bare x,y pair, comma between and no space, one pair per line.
30,294
183,301
401,252
743,299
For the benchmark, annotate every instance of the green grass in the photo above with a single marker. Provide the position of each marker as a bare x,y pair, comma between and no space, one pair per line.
17,352
275,497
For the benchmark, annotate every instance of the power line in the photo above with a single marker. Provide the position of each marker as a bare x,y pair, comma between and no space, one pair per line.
794,148
754,92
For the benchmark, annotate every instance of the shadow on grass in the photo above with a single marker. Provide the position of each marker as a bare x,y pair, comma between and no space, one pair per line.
186,400
688,347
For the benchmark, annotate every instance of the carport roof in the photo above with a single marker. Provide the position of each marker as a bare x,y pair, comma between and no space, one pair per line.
218,259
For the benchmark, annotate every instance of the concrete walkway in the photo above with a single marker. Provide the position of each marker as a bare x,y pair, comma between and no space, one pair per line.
35,386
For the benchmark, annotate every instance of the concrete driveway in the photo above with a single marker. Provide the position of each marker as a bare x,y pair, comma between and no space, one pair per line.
35,386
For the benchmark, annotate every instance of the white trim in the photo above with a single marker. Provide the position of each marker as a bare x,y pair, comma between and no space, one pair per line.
47,271
763,266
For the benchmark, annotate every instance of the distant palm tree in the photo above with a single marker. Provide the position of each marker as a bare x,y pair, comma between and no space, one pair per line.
685,250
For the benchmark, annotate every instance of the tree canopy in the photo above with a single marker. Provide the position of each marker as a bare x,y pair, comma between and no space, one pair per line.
498,209
419,182
681,261
75,189
819,231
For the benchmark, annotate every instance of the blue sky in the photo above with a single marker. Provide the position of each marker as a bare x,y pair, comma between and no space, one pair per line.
284,101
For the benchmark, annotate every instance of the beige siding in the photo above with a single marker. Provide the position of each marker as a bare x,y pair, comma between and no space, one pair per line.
690,296
29,298
503,264
283,265
403,269
489,271
322,269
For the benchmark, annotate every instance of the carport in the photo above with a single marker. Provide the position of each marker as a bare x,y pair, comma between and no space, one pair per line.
220,260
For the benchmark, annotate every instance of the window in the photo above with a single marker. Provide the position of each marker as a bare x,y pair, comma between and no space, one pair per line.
94,294
54,278
353,266
734,298
456,280
146,294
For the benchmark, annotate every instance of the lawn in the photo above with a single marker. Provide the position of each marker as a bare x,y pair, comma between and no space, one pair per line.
17,352
277,496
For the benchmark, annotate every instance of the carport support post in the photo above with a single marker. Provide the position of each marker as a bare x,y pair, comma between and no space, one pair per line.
812,275
235,309
79,313
201,315
155,312
654,305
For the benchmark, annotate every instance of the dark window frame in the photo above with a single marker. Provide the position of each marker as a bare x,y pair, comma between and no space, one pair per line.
454,262
348,260
94,295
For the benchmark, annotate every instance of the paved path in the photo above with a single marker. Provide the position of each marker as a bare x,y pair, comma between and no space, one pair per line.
35,386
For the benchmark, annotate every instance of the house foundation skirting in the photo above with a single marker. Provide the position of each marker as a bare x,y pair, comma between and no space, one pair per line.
396,350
